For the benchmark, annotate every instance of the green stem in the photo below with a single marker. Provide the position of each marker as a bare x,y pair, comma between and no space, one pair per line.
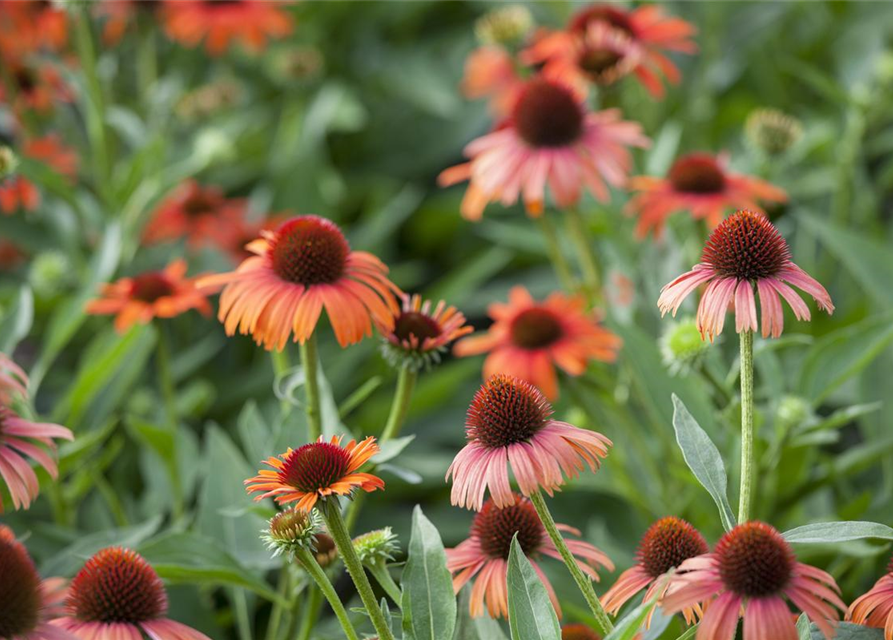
332,513
313,605
583,582
169,399
310,363
400,404
746,426
243,622
556,255
383,576
281,366
588,265
282,590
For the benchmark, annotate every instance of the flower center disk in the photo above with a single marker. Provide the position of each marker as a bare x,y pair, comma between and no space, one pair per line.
149,287
413,323
19,591
667,544
697,174
547,115
506,411
596,62
315,466
746,246
117,585
535,329
309,250
754,560
495,528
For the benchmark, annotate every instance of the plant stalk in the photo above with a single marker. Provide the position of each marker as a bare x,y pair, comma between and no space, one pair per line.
556,256
747,468
310,363
588,264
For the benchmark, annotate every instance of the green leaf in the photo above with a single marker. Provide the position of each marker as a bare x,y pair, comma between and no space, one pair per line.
429,604
17,320
393,448
834,532
689,633
845,631
704,460
531,614
844,353
629,626
194,559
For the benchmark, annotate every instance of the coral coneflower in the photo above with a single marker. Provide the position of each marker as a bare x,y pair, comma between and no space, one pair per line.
13,380
549,138
197,213
603,42
21,439
485,554
120,14
316,470
16,191
665,546
118,596
27,603
35,87
420,334
875,608
490,73
297,270
509,423
529,339
753,571
745,255
701,184
251,23
152,294
28,27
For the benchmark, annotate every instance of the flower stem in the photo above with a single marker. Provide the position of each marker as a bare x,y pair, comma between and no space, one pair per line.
169,399
556,256
311,566
400,404
282,590
331,511
383,576
585,585
588,265
310,363
747,470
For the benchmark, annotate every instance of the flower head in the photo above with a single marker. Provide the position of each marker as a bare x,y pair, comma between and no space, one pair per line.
297,270
13,380
875,608
753,570
117,594
530,338
745,255
701,184
31,27
316,470
36,86
665,546
220,24
152,294
324,549
509,423
27,603
490,73
292,530
376,546
549,138
16,191
485,554
772,132
419,334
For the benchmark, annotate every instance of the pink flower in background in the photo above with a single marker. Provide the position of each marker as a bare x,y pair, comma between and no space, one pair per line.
745,256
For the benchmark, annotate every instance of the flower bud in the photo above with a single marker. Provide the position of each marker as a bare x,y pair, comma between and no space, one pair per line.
682,346
292,530
8,162
376,546
504,26
772,132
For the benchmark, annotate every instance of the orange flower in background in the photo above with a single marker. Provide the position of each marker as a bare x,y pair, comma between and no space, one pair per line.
529,339
11,255
315,471
242,231
28,27
153,294
36,87
200,214
219,24
875,608
297,270
19,192
490,73
603,42
701,184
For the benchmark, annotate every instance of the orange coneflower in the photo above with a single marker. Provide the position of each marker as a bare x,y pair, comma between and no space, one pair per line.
529,339
117,595
701,184
35,87
153,294
550,138
27,27
490,72
420,334
875,608
486,551
17,191
222,22
316,470
297,270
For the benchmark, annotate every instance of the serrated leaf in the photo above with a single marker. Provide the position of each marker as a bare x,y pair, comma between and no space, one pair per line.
531,614
833,532
429,604
704,460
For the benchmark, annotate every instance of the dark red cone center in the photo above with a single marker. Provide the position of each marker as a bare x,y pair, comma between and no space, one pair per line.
505,411
746,246
414,323
535,328
315,466
309,250
19,589
667,544
755,560
547,115
495,527
697,173
149,287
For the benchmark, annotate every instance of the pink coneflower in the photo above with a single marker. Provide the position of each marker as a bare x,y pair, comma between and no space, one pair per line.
745,255
13,380
19,440
118,596
509,423
875,608
701,184
549,138
666,545
490,73
27,603
485,554
752,572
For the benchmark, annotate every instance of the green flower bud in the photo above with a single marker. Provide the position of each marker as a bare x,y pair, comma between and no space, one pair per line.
504,26
292,530
376,546
682,346
772,132
8,162
793,411
50,272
